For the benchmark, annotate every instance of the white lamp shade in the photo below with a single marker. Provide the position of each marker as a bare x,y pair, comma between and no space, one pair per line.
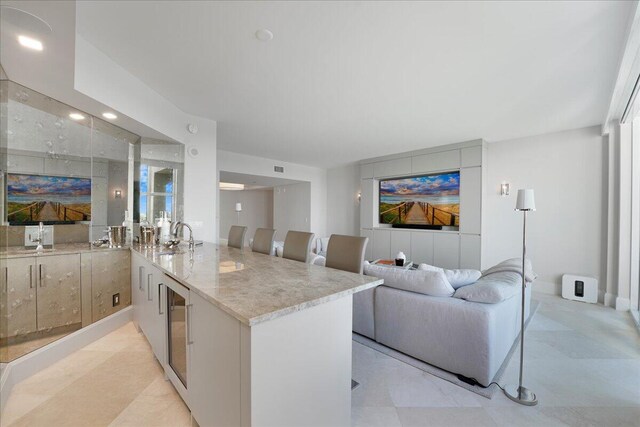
238,207
525,201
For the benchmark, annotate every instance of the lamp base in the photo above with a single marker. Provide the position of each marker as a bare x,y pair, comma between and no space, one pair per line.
525,397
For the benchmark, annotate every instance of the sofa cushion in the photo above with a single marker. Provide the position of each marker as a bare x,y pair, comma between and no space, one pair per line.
457,278
432,283
491,289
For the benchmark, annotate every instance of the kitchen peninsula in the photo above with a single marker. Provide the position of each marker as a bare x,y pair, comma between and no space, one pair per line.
249,339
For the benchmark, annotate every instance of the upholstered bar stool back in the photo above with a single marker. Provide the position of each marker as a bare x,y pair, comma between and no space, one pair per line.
346,253
263,240
297,246
236,236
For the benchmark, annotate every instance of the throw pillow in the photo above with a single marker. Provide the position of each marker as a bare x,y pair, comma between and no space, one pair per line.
432,283
491,289
457,278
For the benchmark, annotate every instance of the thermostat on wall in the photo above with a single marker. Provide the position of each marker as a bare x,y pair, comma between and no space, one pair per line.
580,288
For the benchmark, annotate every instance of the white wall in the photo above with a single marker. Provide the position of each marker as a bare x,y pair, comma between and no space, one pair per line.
343,214
292,209
257,210
565,234
316,177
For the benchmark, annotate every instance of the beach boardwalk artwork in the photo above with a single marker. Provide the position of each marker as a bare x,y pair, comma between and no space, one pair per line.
429,199
52,199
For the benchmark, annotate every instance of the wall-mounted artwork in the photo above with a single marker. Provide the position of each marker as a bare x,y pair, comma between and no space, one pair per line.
50,199
421,200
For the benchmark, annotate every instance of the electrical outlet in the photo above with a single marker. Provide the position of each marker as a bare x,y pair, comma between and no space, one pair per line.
116,299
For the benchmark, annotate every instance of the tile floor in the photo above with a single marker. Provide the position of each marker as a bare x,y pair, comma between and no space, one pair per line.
582,360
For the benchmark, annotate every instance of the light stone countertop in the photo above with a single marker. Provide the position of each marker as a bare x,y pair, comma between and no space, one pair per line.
58,249
253,287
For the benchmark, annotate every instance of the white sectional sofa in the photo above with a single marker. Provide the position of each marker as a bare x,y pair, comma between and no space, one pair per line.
467,331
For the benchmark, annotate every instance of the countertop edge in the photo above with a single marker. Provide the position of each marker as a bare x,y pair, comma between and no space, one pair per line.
268,316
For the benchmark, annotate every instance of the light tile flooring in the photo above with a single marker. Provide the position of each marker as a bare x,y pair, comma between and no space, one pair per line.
583,361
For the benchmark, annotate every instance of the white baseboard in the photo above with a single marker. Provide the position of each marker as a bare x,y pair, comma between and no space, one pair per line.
623,304
610,299
29,364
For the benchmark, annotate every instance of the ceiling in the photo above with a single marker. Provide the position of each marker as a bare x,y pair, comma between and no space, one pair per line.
51,71
343,81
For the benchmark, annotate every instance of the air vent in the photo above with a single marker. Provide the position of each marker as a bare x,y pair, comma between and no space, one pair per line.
278,169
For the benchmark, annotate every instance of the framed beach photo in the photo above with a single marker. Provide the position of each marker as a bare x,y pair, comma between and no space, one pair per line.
50,199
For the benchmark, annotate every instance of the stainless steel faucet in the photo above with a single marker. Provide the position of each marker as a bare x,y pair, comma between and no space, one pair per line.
179,226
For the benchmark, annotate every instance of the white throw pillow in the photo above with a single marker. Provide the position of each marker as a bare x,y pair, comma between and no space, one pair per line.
457,278
432,283
492,289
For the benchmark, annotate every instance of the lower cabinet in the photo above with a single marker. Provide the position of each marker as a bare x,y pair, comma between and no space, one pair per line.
148,297
40,294
214,368
110,272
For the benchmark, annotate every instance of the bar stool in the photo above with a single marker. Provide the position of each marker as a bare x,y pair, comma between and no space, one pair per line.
263,240
236,236
297,246
346,253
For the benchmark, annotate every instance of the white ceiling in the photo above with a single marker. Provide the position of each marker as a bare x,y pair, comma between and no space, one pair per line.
343,81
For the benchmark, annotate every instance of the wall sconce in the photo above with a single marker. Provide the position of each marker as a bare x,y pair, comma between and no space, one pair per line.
504,189
359,196
118,194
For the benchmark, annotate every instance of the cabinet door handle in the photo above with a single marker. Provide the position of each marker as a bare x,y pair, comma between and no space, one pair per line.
149,294
188,318
160,298
140,275
6,280
40,274
30,276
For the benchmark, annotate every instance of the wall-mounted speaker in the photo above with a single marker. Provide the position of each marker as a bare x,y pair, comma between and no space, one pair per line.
192,151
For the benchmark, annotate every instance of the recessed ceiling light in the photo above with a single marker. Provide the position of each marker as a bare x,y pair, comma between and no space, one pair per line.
76,116
109,116
30,43
264,35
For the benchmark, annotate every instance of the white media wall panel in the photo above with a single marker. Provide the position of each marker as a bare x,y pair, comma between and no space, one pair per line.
470,251
422,247
382,244
436,162
401,242
390,168
444,248
470,200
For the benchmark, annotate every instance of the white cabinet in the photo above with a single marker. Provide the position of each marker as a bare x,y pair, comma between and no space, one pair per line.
422,247
446,253
368,203
401,242
149,307
434,162
214,368
470,200
368,253
391,168
381,244
470,251
471,156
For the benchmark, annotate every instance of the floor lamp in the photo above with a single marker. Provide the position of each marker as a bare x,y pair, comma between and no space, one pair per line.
519,393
